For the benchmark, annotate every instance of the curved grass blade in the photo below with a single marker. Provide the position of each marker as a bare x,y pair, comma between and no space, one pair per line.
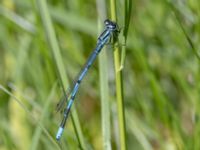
51,36
190,42
30,116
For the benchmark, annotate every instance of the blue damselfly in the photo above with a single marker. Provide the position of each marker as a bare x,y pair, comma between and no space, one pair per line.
111,29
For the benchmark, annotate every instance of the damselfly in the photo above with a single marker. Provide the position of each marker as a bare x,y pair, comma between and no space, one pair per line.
111,29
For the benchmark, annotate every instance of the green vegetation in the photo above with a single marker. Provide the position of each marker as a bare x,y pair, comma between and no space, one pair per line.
142,93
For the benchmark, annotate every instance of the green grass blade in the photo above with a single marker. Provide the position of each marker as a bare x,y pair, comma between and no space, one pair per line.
18,20
137,128
30,116
104,89
119,85
50,33
44,114
105,106
127,17
178,19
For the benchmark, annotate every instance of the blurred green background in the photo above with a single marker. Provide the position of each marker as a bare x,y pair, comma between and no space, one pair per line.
160,74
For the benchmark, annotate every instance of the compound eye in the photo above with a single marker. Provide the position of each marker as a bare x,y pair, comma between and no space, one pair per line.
114,26
107,22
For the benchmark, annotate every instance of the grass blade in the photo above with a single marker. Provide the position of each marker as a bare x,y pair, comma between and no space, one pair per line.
30,115
50,33
104,89
119,85
127,17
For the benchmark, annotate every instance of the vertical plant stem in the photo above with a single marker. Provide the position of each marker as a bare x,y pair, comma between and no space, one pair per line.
51,36
127,16
119,85
105,101
105,113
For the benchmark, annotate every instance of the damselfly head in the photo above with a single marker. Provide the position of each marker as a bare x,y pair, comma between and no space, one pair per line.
110,25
